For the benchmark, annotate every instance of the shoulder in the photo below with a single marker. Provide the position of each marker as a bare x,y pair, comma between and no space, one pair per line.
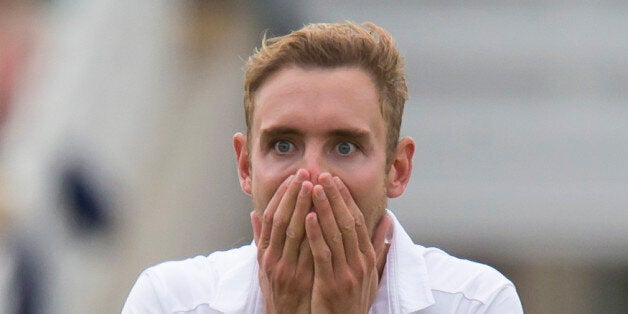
185,284
469,284
451,274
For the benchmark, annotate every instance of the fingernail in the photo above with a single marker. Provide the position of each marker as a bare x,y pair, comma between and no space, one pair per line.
337,182
326,181
301,175
304,190
314,218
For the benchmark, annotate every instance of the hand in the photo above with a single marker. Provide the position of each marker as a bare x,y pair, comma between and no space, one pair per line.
346,264
285,259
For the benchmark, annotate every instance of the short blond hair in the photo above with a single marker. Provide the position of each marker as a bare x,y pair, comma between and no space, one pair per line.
324,45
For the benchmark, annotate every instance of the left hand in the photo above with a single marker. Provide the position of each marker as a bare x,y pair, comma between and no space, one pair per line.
346,263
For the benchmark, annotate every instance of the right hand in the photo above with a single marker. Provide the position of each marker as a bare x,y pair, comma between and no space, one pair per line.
286,268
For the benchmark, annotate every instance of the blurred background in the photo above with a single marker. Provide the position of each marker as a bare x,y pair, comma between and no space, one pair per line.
117,118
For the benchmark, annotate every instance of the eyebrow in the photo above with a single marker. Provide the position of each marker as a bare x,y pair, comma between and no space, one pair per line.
274,132
354,134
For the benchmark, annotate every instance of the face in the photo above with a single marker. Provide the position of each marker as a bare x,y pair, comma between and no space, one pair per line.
321,120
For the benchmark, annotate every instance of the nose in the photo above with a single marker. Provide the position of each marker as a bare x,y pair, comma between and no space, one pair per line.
315,163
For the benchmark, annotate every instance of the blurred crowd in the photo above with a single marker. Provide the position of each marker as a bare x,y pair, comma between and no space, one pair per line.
18,32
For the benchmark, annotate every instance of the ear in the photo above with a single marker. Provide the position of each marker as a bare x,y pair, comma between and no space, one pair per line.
401,168
244,162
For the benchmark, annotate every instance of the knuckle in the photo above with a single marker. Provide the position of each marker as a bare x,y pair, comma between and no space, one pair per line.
370,258
347,226
268,217
324,256
267,269
267,261
260,259
291,233
348,283
358,220
280,222
336,239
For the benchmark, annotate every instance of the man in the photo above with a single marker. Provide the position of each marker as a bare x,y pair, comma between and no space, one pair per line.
320,158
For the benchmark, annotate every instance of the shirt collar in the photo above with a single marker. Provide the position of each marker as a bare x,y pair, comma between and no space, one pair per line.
404,285
405,282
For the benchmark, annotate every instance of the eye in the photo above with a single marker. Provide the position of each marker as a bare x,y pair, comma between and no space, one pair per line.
283,147
345,148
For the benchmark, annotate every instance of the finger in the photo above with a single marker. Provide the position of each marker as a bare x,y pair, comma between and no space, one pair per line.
379,240
344,219
364,240
283,214
305,264
321,255
346,196
296,230
257,226
267,216
329,228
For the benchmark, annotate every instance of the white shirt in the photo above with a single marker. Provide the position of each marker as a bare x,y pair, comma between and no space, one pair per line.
415,280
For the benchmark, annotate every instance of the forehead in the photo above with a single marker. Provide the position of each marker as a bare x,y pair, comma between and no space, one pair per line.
318,98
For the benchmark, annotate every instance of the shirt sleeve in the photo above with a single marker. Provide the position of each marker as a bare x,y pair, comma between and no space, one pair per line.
143,298
506,301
